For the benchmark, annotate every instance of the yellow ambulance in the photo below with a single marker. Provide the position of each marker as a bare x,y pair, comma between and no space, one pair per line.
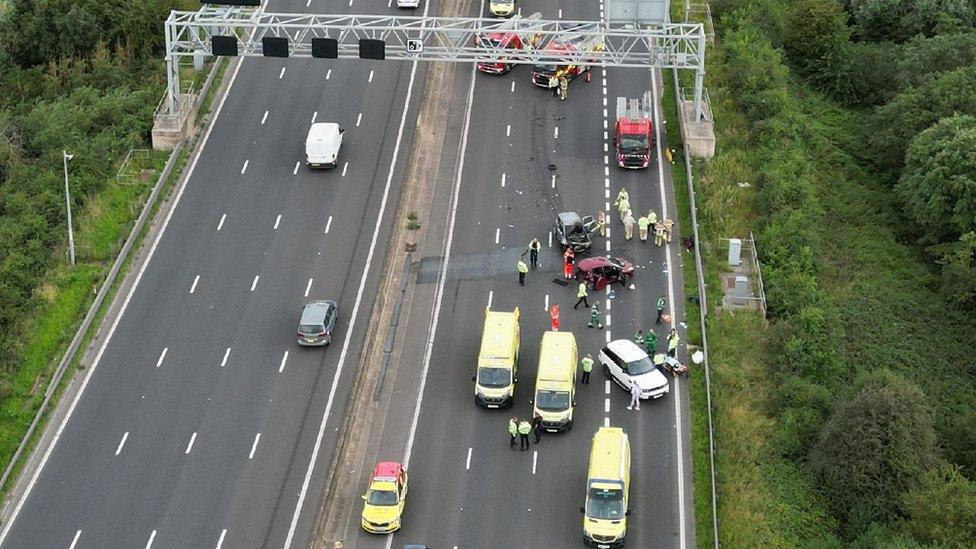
555,381
607,489
494,383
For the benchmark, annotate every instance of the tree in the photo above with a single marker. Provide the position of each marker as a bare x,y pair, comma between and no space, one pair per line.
959,270
874,448
900,20
942,508
938,184
814,28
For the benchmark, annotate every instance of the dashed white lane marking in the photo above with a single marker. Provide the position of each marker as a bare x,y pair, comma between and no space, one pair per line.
284,359
254,446
118,449
508,130
152,538
606,206
606,386
467,463
608,336
328,74
560,13
608,245
264,118
607,307
223,533
606,169
370,76
547,303
277,222
75,540
555,132
605,125
606,421
328,224
607,323
535,458
308,287
606,147
244,168
221,222
223,361
604,101
359,119
606,193
254,283
193,438
316,113
513,86
498,233
282,73
550,239
295,171
606,405
605,113
345,167
503,180
606,159
162,356
350,3
491,294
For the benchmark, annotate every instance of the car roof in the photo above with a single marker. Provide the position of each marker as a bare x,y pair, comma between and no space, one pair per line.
387,469
600,261
323,130
627,350
314,311
570,218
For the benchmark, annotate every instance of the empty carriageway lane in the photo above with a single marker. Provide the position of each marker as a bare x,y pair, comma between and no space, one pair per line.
188,409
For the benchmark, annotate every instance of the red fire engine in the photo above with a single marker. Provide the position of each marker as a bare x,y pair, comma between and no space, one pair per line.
541,74
506,40
633,136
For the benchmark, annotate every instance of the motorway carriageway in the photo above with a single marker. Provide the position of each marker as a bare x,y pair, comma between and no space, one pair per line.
467,489
197,424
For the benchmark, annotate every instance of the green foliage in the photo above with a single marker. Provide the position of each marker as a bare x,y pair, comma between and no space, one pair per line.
901,20
814,29
938,185
941,508
959,270
875,447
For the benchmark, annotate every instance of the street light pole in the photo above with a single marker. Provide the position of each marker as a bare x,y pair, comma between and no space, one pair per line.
67,199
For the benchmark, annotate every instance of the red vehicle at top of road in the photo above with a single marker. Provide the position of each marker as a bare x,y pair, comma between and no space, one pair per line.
507,40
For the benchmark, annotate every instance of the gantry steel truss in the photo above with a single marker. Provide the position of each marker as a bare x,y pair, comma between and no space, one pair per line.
455,39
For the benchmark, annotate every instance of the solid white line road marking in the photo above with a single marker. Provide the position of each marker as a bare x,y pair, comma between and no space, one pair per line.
295,171
111,331
547,303
508,130
606,421
244,168
535,458
606,387
254,284
359,119
193,287
606,405
277,222
224,361
682,537
503,180
284,359
254,446
355,310
282,73
193,438
467,464
328,224
221,222
513,86
370,76
162,356
316,113
152,537
497,234
555,132
264,118
328,74
220,540
308,287
345,167
491,294
75,540
118,450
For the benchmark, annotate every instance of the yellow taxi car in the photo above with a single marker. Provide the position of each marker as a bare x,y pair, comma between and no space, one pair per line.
501,8
385,497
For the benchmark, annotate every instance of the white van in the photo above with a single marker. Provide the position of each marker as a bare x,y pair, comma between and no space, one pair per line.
322,145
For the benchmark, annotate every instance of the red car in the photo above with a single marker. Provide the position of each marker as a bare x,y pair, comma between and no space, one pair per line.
600,271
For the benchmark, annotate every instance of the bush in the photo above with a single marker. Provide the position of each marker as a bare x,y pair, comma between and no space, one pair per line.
875,447
900,20
942,508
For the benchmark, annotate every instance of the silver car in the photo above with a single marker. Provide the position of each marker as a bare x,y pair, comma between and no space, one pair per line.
317,323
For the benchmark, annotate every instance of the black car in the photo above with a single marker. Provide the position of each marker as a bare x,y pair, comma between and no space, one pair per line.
574,231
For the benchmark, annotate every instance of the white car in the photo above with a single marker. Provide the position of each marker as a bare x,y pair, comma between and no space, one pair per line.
408,4
626,363
323,144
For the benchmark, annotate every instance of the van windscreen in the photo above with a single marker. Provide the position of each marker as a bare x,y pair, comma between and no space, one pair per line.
552,401
605,503
494,377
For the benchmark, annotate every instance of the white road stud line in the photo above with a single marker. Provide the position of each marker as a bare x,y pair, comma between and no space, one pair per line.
535,458
560,13
254,446
282,73
223,533
607,321
254,283
277,222
497,234
350,3
118,449
555,132
547,303
606,405
328,74
491,294
244,168
608,245
606,387
606,193
608,336
308,287
359,119
513,86
221,222
223,361
508,130
345,166
328,224
162,356
606,206
550,239
370,76
264,118
74,541
284,358
503,180
467,463
295,171
606,421
193,438
553,183
355,310
111,331
152,538
316,113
